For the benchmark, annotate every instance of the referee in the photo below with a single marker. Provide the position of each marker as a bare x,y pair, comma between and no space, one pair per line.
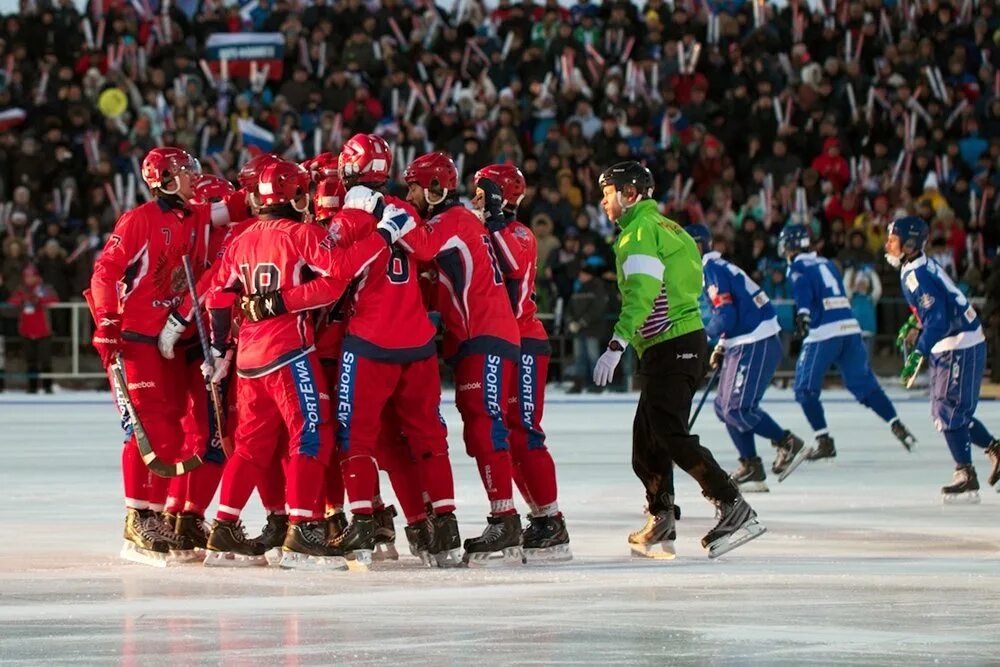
660,279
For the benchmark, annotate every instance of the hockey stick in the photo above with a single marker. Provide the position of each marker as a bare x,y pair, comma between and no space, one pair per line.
213,389
704,396
916,372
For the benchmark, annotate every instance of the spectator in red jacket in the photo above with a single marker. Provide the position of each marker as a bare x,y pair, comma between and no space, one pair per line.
33,298
831,165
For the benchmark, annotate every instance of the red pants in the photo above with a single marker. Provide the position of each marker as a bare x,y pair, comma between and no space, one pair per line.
534,470
396,459
333,496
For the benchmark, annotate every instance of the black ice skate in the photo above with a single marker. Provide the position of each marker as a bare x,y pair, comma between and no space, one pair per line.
824,449
336,523
385,534
964,487
181,549
306,548
418,535
656,538
750,476
357,542
500,543
272,536
228,546
193,535
791,453
993,454
143,544
446,544
737,526
546,540
903,434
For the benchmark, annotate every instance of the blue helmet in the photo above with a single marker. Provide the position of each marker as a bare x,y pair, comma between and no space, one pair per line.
701,236
794,238
912,233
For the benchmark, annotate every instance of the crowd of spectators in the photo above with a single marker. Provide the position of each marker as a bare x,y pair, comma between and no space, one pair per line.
837,114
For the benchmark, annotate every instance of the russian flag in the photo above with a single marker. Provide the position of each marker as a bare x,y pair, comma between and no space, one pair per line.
255,135
11,118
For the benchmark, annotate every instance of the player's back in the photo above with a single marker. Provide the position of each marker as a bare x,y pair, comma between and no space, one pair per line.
520,242
819,288
727,283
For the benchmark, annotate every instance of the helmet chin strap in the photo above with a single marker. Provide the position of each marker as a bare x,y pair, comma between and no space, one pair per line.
305,205
621,200
431,202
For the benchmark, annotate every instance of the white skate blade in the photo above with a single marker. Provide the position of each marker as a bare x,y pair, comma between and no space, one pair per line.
293,560
359,560
230,559
656,550
450,558
187,556
385,551
754,487
559,553
273,556
136,554
748,531
795,463
507,556
966,498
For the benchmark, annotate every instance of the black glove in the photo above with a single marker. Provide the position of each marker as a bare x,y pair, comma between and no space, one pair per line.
258,307
492,204
802,321
717,355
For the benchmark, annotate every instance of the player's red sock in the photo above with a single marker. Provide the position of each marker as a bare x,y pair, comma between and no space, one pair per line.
522,487
436,478
135,476
177,493
495,471
539,472
157,491
202,483
306,477
271,487
334,484
361,481
238,481
406,483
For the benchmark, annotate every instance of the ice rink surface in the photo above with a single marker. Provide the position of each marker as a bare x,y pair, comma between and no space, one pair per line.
861,563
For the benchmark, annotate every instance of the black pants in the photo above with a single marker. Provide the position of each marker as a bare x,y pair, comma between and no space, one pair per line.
669,375
38,355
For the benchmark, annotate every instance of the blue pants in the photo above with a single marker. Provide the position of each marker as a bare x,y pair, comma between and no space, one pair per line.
851,358
956,377
746,373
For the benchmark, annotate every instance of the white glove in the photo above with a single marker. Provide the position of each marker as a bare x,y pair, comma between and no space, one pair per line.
216,369
170,334
362,198
574,327
605,367
395,223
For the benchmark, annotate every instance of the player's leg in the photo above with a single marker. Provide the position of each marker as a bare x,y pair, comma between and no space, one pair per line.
750,475
955,379
978,433
334,492
814,361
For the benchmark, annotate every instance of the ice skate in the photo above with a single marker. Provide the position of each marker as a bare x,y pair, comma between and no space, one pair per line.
750,476
903,434
737,525
228,546
192,530
272,536
824,449
446,544
656,538
964,487
791,453
180,548
336,523
546,540
357,542
306,548
143,544
993,454
500,543
418,535
385,534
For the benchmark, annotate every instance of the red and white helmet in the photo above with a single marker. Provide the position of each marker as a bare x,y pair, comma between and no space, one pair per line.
284,183
323,166
250,173
365,158
211,188
329,198
434,171
161,165
508,177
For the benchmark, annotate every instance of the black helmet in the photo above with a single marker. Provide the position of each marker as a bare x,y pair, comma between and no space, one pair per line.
628,173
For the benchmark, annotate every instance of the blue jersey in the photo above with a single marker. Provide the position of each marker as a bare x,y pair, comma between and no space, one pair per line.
741,311
948,321
818,289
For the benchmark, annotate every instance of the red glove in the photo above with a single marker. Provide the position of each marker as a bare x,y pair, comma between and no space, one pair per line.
107,338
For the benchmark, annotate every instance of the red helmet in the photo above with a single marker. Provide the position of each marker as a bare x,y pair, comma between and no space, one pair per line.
250,173
323,166
329,198
508,177
433,170
161,165
365,158
282,183
210,188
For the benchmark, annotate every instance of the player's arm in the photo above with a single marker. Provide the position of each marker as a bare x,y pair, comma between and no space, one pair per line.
802,293
724,314
513,254
232,209
642,273
124,246
425,242
932,306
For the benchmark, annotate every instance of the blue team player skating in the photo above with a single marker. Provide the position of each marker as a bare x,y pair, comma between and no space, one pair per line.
948,336
749,351
830,336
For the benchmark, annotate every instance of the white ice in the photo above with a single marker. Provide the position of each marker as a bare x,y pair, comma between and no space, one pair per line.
861,562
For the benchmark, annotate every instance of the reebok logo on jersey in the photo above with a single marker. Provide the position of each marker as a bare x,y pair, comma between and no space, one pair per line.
470,386
142,385
688,355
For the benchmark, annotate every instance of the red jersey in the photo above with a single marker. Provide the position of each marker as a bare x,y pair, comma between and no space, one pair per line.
209,272
275,255
471,295
33,320
517,252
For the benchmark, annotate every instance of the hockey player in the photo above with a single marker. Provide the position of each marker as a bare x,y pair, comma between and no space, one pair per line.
137,279
950,338
500,188
830,335
481,342
660,279
749,351
279,387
